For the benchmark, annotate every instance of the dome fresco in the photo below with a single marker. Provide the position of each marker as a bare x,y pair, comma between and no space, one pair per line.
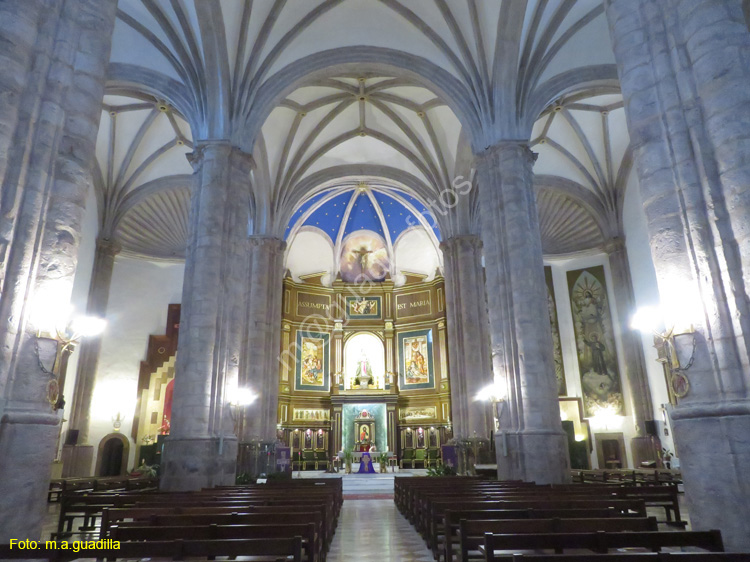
380,210
366,228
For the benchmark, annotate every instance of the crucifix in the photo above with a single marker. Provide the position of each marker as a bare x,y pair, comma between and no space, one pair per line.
362,254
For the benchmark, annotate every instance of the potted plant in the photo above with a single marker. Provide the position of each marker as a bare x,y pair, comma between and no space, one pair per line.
145,471
383,460
348,458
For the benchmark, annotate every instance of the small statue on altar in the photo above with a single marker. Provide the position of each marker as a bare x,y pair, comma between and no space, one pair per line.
373,448
363,376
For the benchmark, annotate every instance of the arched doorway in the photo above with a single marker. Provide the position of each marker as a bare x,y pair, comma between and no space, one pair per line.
112,457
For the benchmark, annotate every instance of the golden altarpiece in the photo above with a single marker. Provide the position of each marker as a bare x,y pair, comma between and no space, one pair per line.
363,365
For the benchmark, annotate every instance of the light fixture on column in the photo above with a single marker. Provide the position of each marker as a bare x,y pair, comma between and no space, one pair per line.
649,320
240,400
495,394
58,331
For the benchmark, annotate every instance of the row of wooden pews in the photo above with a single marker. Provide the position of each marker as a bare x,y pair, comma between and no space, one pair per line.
280,520
60,486
470,518
636,477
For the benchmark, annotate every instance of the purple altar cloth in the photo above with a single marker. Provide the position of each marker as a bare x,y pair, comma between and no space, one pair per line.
365,465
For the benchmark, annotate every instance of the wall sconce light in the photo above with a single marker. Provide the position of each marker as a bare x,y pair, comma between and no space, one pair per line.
647,321
57,335
117,422
495,394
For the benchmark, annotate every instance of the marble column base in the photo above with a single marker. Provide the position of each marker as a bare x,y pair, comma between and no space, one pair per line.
27,448
713,445
196,463
533,456
644,449
77,460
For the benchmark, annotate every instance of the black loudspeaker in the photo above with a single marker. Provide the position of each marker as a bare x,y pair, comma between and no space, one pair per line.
72,437
651,428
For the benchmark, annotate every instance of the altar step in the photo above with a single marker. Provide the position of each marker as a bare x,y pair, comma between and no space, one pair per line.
364,486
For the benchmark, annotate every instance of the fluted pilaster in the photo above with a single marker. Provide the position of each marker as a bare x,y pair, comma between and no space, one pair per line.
468,341
263,344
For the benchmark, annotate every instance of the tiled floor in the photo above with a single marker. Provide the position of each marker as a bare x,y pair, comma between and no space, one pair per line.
375,530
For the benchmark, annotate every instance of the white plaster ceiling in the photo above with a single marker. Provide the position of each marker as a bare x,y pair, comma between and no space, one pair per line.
142,177
497,51
381,121
582,171
263,37
228,50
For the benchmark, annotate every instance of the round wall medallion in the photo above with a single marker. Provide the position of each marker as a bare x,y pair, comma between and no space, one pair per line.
680,385
53,391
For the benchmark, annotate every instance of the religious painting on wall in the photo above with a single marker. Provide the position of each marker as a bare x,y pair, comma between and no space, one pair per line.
415,359
362,307
419,413
595,342
556,346
317,414
364,257
312,357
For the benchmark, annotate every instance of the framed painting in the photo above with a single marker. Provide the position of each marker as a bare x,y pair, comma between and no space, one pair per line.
595,342
312,358
362,307
556,345
415,360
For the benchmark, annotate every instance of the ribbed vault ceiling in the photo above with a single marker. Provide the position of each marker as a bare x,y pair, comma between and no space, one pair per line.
431,75
583,148
142,177
381,121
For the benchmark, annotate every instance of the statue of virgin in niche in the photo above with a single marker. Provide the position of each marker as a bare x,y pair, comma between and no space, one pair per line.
363,375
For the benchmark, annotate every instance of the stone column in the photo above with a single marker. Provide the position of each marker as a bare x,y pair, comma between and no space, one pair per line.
468,331
643,446
531,444
78,458
684,78
201,450
52,68
263,344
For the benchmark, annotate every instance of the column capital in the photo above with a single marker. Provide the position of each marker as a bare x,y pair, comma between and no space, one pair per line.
508,148
462,242
614,244
258,240
106,246
203,148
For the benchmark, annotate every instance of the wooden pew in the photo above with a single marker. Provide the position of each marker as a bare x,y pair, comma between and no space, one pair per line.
600,542
624,508
472,531
251,550
631,557
164,517
311,544
452,519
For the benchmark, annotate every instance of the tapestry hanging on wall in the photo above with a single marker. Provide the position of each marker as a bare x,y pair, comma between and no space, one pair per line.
415,359
312,358
595,342
556,346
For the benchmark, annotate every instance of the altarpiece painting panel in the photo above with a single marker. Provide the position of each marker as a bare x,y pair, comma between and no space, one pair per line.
312,358
595,342
415,359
